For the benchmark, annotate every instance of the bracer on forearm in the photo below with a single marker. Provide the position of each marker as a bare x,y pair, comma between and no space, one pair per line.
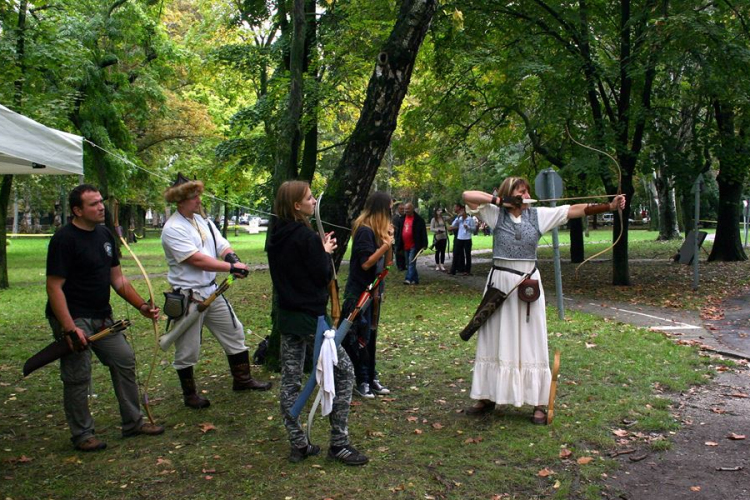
598,208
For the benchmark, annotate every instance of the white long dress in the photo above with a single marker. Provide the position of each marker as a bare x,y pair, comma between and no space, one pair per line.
512,362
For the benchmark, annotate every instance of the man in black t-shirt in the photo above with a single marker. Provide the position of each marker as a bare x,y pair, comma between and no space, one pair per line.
82,264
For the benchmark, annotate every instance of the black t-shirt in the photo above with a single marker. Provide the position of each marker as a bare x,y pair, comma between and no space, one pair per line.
363,247
84,259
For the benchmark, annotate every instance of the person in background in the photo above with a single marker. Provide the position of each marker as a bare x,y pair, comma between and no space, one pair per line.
463,227
440,235
413,238
512,362
82,266
301,267
397,221
195,252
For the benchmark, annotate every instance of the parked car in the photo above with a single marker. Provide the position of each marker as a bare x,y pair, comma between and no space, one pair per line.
244,219
608,219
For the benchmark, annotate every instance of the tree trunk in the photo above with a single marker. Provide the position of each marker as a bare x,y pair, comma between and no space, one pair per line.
731,153
352,179
7,186
576,241
668,228
290,138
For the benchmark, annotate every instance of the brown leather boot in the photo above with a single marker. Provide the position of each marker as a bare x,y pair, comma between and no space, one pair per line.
239,365
189,393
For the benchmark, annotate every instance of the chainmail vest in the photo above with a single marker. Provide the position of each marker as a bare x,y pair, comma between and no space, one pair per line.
516,241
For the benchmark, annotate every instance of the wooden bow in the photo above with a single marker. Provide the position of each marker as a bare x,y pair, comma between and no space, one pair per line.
553,388
152,303
333,285
619,192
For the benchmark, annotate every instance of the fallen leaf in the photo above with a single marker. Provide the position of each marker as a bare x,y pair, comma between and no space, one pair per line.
590,346
711,443
417,431
412,418
23,459
695,488
565,453
720,411
474,440
620,432
584,460
206,426
544,472
736,437
437,425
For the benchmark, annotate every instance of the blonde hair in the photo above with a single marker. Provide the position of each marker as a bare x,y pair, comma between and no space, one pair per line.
376,215
510,184
289,193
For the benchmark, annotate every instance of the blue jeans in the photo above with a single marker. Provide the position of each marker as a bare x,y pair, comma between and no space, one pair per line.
411,266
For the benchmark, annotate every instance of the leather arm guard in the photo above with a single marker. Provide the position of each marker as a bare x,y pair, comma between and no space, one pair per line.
232,258
598,208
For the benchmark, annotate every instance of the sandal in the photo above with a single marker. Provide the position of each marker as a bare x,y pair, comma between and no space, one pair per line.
480,407
542,420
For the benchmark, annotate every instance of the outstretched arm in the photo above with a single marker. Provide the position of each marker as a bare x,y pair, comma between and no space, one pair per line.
580,209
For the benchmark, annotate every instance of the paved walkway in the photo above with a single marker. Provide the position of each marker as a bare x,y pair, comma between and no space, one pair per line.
729,336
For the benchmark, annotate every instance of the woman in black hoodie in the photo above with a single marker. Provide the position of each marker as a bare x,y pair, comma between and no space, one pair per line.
300,265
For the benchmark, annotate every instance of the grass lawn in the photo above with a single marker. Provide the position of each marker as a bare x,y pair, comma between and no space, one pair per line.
614,378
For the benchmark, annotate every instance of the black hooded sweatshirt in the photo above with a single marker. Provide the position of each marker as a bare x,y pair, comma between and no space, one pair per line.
300,268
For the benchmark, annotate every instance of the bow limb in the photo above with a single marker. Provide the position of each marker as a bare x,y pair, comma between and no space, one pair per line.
333,285
152,302
619,191
553,388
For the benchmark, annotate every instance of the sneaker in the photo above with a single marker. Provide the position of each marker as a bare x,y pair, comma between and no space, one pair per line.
407,282
379,388
299,454
437,268
91,444
147,429
363,391
347,455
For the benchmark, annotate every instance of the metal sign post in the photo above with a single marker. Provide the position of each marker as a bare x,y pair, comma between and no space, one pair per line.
697,188
550,183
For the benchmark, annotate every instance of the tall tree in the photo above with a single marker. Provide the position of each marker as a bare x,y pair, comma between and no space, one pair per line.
389,83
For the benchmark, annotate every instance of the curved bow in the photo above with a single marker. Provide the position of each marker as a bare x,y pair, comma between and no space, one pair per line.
152,302
553,388
619,192
333,285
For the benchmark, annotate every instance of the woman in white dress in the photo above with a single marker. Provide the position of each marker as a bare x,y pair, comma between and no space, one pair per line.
512,363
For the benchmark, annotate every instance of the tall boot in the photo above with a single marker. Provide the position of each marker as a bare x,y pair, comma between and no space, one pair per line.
189,394
239,365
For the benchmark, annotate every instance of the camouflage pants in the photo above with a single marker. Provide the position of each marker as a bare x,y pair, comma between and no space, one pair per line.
292,362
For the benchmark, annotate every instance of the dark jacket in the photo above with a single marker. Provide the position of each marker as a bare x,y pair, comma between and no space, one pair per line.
300,268
419,230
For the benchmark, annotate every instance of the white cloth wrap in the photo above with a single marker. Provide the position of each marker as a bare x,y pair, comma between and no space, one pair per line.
327,359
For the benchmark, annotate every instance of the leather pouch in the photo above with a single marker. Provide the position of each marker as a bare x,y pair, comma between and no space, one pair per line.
174,304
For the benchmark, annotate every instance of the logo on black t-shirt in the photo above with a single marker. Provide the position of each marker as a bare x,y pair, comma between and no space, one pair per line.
108,249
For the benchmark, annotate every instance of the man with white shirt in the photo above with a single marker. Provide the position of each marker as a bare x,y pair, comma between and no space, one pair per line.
196,251
463,227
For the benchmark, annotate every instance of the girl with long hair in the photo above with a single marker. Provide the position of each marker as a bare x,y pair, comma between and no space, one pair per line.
438,227
301,268
371,251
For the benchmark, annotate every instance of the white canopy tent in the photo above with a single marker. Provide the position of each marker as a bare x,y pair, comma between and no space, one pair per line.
28,147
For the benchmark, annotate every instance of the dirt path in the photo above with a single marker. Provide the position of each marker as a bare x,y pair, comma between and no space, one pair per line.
708,458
